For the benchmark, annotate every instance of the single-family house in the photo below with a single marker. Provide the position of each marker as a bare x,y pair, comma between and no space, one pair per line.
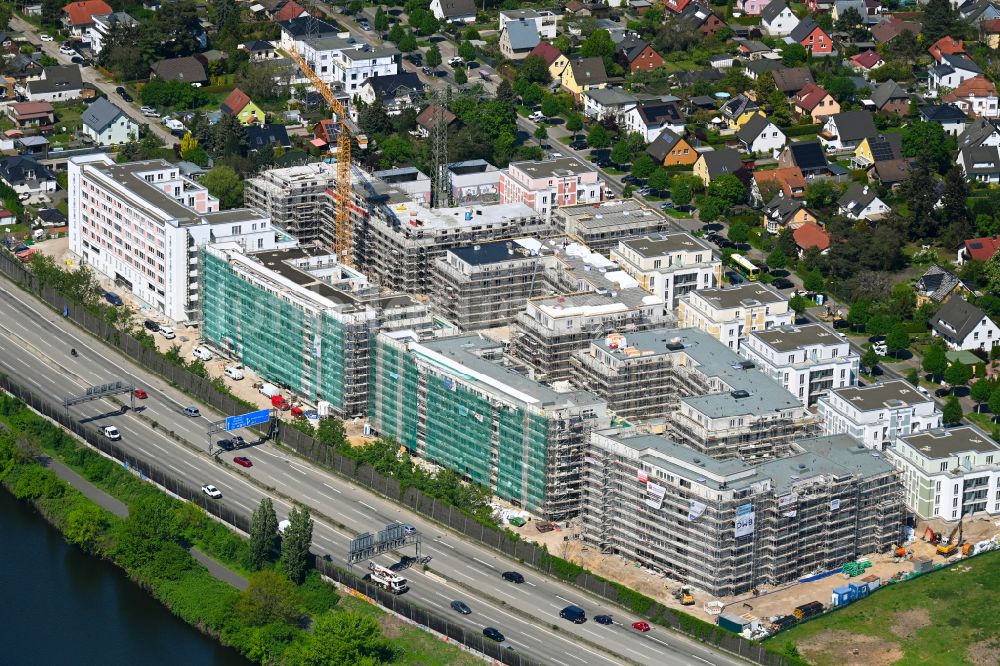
981,163
259,50
239,104
846,129
714,163
752,7
754,69
810,235
187,69
808,156
104,26
676,6
583,74
607,103
672,149
889,97
639,56
978,249
949,116
767,184
841,6
738,110
790,80
26,115
950,72
397,92
815,103
553,57
777,20
650,117
518,39
947,46
977,97
264,136
429,117
289,11
885,32
861,202
108,125
937,285
962,325
991,33
78,17
878,148
26,176
866,61
815,39
463,11
546,22
977,12
699,18
760,136
782,212
890,173
59,83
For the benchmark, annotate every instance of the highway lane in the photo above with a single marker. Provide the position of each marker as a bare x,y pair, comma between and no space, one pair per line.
523,612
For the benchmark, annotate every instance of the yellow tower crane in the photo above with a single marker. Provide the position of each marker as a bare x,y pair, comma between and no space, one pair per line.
348,130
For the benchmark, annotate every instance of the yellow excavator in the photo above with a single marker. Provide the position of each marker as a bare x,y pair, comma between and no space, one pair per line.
684,596
948,547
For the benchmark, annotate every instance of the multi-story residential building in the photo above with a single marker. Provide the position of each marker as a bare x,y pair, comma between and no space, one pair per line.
292,197
731,313
879,414
728,527
669,265
549,184
344,60
602,227
950,473
409,180
546,22
808,360
474,180
142,223
299,318
102,27
455,402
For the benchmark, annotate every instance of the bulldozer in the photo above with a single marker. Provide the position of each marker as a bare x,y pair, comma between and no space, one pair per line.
684,596
948,547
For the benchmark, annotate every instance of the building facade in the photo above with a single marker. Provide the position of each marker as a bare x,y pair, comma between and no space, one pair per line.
669,265
547,185
731,313
292,197
879,414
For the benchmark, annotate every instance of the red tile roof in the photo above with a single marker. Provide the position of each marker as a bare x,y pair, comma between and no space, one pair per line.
868,59
548,52
235,102
790,180
990,27
977,86
809,235
289,11
982,249
82,13
810,96
946,46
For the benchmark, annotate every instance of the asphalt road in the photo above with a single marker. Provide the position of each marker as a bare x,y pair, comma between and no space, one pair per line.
524,613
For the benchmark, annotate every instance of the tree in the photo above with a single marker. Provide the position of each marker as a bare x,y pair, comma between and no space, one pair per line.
935,361
956,218
814,282
713,208
913,376
994,403
534,69
793,55
777,258
980,392
957,374
929,143
599,45
897,339
598,137
870,359
952,411
84,525
551,106
841,88
269,598
505,92
659,179
681,192
620,153
396,34
574,122
799,304
433,56
381,22
728,188
461,78
643,166
344,637
991,273
263,533
295,544
939,19
223,182
821,194
467,50
739,232
192,152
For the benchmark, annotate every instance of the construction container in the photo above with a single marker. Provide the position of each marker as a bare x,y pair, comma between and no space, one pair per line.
806,611
841,596
733,623
859,590
873,582
922,564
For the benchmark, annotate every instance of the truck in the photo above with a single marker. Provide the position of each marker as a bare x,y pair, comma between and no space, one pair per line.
269,390
279,402
387,579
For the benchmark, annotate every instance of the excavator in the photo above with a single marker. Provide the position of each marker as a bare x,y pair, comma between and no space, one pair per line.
684,596
949,546
935,537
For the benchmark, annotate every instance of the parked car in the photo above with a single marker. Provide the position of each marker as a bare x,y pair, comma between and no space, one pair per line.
641,626
942,393
126,97
427,70
242,461
77,60
167,333
47,38
364,25
112,433
140,394
113,298
66,50
202,353
456,60
233,372
493,634
149,112
841,323
461,607
603,619
151,325
211,491
192,412
512,577
578,145
782,283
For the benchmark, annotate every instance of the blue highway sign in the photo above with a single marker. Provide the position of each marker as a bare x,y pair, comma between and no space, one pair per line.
247,420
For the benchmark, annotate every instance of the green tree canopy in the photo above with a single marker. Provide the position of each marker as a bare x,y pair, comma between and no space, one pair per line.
223,182
728,188
598,137
263,533
952,411
814,282
870,359
897,339
269,598
433,56
739,232
295,544
929,143
659,179
935,361
981,391
994,402
777,258
343,637
958,374
534,69
643,166
467,50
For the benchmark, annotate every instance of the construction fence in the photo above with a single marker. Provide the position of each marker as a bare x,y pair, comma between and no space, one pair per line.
308,447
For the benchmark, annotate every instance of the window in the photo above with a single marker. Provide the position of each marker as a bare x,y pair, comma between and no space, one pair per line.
944,468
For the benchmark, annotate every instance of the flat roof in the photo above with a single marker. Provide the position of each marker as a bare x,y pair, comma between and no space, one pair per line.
661,244
790,338
887,395
559,167
748,294
627,212
945,443
481,254
413,214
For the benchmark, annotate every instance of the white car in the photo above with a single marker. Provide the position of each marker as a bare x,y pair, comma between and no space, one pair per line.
150,112
66,50
202,354
880,348
47,38
112,433
233,372
211,491
167,333
536,116
457,60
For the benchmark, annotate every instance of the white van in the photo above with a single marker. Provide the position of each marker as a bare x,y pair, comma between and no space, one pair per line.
269,390
233,372
202,354
167,333
112,433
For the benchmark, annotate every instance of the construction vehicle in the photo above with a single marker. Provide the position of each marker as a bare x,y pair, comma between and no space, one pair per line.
387,579
348,131
948,547
684,595
935,537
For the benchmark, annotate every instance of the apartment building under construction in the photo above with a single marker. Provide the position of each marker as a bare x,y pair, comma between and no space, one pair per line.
600,226
293,197
457,402
727,527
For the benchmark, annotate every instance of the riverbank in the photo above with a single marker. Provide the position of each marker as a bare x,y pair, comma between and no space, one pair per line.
152,545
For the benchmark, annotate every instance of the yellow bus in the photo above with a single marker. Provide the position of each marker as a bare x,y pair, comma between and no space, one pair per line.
744,267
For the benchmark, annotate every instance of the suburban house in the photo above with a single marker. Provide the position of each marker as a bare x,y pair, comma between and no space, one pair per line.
454,10
879,148
108,125
890,173
288,11
752,7
889,97
760,136
672,149
846,129
397,92
784,212
950,72
39,115
186,70
239,104
26,176
947,46
518,39
885,32
866,61
861,202
814,102
979,132
103,25
777,20
787,181
607,103
639,56
964,326
811,36
430,116
553,57
809,236
697,17
584,74
59,83
977,97
790,80
738,110
938,285
977,12
981,163
808,156
714,163
991,33
546,22
650,117
259,50
267,136
949,116
78,17
978,249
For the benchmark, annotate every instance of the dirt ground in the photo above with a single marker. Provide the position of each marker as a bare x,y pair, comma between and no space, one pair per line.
984,653
907,623
851,649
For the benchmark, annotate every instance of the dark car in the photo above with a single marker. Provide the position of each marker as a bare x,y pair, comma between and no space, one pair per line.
841,323
603,619
127,97
493,634
461,607
120,90
711,226
77,60
574,614
782,283
113,298
427,70
604,163
875,339
151,325
942,393
512,577
578,145
242,461
225,444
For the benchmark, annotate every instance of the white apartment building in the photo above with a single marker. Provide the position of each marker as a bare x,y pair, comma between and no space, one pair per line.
808,360
878,415
141,224
669,265
103,25
546,23
340,59
949,473
731,313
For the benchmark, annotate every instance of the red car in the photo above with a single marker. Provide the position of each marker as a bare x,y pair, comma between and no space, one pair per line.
242,461
640,626
140,393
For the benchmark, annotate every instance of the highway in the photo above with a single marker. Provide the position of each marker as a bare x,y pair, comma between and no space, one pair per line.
524,613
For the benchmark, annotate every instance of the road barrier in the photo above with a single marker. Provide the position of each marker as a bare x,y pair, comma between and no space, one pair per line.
308,447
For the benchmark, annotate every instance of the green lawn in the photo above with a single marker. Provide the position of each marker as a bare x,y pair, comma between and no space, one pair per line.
947,617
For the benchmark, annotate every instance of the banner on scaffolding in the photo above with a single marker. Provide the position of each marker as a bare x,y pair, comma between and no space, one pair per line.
695,510
744,520
642,477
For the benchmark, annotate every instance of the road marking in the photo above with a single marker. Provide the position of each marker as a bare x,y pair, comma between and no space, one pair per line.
191,465
577,657
509,596
265,451
324,538
566,600
532,637
311,499
332,499
484,563
241,505
333,489
446,544
705,661
362,503
530,583
459,573
592,633
441,595
299,469
174,468
663,643
556,661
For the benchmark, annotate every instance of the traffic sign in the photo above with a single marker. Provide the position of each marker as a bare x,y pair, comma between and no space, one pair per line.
248,420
